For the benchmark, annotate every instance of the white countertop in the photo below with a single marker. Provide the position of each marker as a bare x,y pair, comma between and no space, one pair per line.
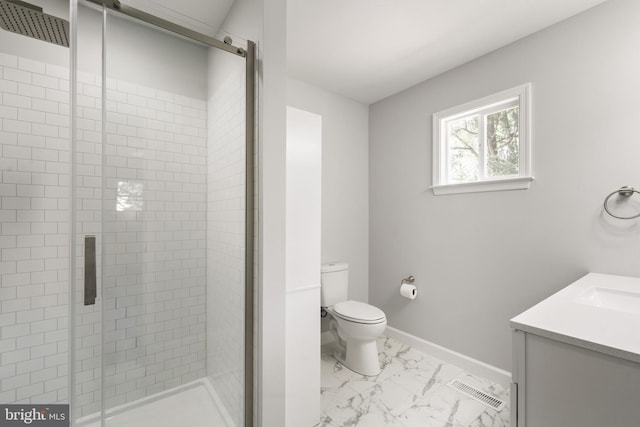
600,312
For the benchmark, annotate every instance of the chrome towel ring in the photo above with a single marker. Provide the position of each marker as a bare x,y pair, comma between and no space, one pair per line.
625,191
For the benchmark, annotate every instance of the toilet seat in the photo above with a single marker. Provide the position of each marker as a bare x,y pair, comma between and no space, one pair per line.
359,312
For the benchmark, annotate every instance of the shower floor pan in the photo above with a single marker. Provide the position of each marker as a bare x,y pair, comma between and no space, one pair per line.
195,405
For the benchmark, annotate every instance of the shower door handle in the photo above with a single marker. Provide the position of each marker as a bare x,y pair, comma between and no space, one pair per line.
89,270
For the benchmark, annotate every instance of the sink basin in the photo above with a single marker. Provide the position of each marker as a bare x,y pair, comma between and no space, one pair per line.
600,312
611,299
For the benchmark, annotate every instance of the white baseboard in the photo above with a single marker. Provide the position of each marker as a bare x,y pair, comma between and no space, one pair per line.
469,364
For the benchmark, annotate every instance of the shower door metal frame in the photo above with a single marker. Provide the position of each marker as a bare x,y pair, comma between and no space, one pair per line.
168,25
249,53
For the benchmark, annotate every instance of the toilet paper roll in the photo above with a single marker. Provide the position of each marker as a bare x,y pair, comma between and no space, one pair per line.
408,291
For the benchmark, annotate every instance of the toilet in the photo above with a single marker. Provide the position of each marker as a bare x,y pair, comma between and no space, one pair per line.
354,325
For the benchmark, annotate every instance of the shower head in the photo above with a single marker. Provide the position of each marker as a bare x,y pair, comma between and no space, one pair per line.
29,20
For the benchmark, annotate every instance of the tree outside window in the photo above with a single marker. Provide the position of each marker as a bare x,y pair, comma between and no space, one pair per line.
483,142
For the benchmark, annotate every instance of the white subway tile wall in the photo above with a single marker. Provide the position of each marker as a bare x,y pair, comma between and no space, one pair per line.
34,190
154,237
225,243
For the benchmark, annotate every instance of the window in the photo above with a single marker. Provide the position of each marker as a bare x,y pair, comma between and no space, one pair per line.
483,145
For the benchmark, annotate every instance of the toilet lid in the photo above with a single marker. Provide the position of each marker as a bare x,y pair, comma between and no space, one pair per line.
359,312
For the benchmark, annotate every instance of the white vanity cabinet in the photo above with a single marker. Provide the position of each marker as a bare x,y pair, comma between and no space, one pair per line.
563,385
576,357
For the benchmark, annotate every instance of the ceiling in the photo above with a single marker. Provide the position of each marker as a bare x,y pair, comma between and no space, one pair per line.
370,49
205,16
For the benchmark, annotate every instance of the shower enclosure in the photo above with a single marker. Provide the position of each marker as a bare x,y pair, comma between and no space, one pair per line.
127,219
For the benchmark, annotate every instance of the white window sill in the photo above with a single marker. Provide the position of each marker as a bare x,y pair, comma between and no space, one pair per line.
520,183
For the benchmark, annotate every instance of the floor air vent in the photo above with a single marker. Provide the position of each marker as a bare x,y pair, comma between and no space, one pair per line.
478,395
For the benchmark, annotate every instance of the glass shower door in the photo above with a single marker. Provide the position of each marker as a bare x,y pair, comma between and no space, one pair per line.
85,231
160,191
155,213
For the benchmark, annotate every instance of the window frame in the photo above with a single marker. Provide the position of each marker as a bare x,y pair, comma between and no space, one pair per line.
520,96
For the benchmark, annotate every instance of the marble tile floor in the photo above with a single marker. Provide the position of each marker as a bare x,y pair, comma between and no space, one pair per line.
410,391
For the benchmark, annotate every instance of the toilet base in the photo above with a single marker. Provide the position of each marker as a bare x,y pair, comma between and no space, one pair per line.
361,357
357,348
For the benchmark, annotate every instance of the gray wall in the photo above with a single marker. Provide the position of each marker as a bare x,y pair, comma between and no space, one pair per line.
345,179
479,259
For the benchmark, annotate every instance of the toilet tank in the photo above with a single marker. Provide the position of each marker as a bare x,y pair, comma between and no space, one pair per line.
335,283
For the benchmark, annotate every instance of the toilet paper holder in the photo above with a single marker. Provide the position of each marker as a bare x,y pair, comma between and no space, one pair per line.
408,289
409,279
